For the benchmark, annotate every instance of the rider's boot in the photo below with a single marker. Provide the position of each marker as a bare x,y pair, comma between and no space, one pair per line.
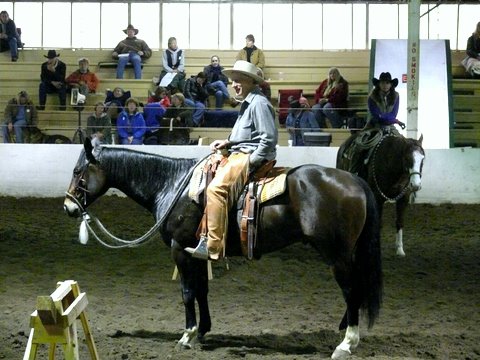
201,251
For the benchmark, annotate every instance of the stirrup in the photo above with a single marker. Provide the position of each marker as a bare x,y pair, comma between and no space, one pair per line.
201,251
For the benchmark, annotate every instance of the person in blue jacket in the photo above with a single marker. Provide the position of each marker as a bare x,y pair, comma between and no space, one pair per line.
131,124
300,120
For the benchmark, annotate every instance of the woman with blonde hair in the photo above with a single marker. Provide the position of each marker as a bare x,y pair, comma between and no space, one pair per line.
331,99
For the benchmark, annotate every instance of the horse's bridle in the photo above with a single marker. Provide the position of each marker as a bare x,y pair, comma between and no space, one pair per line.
80,187
377,185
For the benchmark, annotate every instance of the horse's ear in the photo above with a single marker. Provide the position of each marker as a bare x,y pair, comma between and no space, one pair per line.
87,145
421,139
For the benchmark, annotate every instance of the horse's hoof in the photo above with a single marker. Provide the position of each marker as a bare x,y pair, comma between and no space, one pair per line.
340,354
189,339
400,253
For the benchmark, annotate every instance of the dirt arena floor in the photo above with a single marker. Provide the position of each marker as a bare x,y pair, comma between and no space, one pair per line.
285,306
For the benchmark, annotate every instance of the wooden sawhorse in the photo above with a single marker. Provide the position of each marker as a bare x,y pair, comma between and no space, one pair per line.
54,322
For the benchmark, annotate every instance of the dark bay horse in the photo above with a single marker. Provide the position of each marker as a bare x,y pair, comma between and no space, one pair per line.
332,210
393,171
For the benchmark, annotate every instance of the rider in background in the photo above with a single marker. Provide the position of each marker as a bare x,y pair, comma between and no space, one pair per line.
383,102
251,143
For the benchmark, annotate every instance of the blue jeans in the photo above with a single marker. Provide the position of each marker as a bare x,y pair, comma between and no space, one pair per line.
47,88
198,110
220,91
12,45
136,61
18,127
327,111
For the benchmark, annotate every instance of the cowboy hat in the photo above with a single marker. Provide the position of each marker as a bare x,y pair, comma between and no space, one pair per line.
51,54
385,76
131,27
245,68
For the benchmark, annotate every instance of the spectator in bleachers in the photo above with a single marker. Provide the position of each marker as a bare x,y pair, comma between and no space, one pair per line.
180,112
160,95
472,61
53,80
264,86
196,95
115,102
132,50
83,79
251,53
153,113
131,124
331,100
20,113
99,125
217,82
173,62
176,122
300,119
9,36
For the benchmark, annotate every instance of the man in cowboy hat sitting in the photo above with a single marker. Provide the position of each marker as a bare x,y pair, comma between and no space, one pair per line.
52,80
131,50
251,143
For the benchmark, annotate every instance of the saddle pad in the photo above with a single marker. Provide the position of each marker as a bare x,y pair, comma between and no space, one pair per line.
197,182
275,184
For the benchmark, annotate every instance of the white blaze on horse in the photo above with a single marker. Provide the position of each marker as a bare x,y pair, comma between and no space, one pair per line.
331,210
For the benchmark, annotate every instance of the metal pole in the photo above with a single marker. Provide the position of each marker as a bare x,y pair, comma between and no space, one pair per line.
413,58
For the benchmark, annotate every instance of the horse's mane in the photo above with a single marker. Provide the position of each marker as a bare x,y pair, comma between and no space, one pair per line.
149,172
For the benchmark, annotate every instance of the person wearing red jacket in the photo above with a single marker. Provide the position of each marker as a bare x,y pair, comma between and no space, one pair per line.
331,100
83,79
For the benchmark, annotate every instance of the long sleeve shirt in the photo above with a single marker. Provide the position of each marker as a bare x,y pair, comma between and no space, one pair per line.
255,132
48,76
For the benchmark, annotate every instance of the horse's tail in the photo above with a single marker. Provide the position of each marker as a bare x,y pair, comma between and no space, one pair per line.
368,261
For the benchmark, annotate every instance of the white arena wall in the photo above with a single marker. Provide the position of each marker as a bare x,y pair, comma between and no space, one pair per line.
449,175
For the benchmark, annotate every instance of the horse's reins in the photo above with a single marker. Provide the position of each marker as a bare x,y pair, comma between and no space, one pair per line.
405,188
127,243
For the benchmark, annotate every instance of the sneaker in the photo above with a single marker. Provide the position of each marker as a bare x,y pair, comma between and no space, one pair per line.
14,59
40,107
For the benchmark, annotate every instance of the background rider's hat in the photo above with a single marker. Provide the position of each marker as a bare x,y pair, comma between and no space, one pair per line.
385,76
131,27
245,68
51,54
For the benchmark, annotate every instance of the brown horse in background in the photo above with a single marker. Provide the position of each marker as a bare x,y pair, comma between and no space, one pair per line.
393,169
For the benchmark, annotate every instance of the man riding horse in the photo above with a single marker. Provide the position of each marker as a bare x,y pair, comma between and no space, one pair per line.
251,143
383,104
